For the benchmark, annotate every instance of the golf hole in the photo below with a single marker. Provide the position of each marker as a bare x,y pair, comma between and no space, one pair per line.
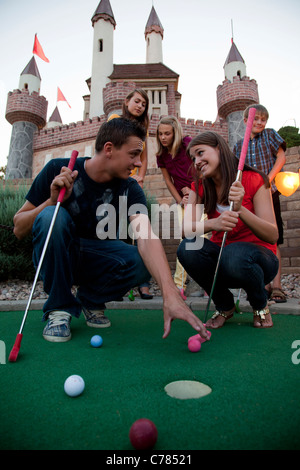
187,389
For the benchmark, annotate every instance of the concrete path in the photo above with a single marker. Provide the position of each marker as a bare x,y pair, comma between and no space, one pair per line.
291,307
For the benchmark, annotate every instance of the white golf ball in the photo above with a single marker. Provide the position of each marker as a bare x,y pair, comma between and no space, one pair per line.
74,385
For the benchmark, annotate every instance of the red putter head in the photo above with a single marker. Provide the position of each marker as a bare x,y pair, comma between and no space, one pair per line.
16,348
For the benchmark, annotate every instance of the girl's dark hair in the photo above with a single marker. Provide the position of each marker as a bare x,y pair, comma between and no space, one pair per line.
144,118
229,166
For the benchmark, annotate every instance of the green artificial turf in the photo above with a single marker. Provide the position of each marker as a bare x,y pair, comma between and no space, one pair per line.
254,402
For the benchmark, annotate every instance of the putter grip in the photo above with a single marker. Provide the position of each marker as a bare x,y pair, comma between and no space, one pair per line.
71,166
250,120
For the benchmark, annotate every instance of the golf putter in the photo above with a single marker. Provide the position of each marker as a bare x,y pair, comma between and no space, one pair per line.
16,348
251,116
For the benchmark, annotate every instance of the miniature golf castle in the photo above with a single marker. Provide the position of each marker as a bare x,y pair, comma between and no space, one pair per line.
35,140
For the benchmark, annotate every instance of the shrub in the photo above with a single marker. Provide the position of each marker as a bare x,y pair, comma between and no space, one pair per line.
15,255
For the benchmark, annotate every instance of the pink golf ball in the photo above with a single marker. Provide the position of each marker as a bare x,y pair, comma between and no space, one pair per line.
194,345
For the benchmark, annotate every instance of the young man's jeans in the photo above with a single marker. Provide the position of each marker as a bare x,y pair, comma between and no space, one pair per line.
103,270
242,265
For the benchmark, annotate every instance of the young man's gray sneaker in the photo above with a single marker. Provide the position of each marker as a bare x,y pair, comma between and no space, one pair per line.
95,318
57,329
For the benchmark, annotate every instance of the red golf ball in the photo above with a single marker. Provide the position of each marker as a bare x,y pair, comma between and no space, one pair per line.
143,434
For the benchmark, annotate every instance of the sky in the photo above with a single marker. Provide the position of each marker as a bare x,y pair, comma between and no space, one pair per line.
197,39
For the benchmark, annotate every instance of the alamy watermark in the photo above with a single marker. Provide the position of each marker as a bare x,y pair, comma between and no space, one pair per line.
296,354
2,352
115,226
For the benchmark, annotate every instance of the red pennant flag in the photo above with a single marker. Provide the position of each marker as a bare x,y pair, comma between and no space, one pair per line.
38,50
60,96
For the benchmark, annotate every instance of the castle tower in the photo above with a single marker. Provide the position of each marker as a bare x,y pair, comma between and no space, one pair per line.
103,22
154,34
26,110
235,94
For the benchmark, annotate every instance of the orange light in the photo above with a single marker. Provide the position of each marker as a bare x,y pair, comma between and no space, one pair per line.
287,182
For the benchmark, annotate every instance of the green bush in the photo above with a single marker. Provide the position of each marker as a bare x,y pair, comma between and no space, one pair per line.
291,135
15,255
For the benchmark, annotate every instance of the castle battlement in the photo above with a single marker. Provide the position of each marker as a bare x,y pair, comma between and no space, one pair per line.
64,135
25,106
236,95
192,127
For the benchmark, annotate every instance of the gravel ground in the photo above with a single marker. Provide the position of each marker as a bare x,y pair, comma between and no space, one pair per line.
20,290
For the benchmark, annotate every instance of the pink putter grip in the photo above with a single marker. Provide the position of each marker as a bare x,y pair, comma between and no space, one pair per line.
251,116
71,166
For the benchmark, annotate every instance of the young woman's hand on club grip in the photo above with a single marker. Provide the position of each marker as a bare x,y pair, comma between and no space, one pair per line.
66,180
236,195
225,222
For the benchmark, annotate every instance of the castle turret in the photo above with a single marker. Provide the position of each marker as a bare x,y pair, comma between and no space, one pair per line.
30,78
234,65
26,110
235,94
55,119
154,33
103,22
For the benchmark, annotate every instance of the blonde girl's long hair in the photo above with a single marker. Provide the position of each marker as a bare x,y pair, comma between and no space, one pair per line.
177,131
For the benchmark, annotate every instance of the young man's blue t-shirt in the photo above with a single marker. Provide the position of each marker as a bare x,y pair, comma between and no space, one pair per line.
89,201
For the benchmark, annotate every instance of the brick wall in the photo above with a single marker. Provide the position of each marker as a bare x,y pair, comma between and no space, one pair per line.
115,93
290,208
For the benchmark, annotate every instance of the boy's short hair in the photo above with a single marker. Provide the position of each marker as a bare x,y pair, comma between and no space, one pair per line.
117,131
259,108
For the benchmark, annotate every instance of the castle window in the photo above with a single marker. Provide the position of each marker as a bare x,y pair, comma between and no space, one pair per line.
239,74
26,86
100,45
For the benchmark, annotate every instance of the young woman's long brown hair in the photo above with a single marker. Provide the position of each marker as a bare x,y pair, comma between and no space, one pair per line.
229,165
144,118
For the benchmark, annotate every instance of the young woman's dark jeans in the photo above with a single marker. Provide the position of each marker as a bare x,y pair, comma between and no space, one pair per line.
103,270
242,265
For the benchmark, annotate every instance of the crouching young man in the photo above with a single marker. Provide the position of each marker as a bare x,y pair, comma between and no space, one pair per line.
79,252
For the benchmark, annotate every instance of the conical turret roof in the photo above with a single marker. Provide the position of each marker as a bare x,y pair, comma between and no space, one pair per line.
234,55
55,116
104,10
32,69
153,23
